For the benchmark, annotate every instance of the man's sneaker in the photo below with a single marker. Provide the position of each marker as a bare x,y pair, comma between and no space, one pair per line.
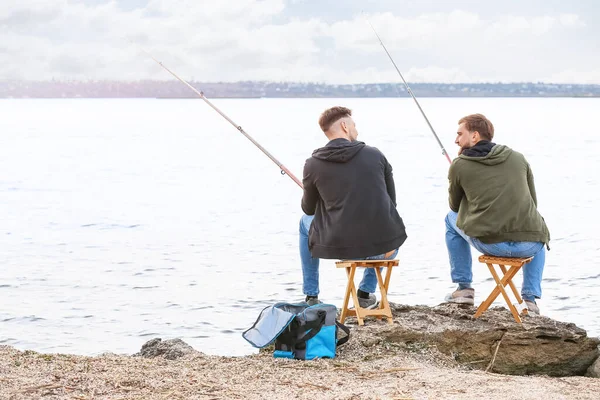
532,307
464,296
369,303
311,301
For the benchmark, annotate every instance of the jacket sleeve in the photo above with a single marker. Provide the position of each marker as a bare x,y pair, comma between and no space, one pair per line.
310,195
531,184
455,190
389,181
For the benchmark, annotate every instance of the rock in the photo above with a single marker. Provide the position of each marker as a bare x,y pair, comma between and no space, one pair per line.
371,341
538,346
594,369
169,349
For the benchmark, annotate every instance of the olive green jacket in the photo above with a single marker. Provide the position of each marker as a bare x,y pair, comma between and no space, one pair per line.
495,197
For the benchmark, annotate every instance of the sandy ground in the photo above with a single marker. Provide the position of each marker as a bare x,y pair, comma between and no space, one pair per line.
360,371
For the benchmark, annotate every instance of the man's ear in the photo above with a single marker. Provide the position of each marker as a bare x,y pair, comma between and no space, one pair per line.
344,126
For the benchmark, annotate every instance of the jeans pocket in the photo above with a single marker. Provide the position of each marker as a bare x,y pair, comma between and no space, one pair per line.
527,249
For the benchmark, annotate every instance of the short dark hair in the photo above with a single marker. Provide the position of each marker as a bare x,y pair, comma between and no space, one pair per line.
331,115
479,123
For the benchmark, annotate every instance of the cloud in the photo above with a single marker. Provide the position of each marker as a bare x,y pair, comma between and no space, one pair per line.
258,39
574,75
571,20
24,18
243,12
400,33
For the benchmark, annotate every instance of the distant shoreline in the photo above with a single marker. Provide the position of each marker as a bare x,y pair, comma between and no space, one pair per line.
256,90
297,97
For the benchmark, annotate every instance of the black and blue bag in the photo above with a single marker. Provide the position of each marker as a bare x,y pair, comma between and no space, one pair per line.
299,331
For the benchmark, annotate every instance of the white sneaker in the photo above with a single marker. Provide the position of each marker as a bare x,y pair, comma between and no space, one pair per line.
464,296
532,307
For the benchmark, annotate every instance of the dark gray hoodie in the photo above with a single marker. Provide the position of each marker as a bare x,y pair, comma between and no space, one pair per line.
349,188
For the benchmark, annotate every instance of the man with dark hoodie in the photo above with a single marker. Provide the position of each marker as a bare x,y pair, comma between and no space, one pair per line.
494,209
350,205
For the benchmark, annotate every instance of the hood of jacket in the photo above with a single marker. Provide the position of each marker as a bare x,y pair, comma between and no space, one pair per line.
338,150
498,154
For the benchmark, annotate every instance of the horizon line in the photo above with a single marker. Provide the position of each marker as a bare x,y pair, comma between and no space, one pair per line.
53,80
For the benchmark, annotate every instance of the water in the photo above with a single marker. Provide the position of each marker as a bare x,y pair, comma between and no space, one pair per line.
124,220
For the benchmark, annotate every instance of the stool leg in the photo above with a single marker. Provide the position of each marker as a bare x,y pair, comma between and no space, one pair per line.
383,304
380,283
349,287
388,274
514,290
344,313
357,308
484,306
511,306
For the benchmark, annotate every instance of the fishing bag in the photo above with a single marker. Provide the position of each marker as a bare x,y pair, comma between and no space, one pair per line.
299,331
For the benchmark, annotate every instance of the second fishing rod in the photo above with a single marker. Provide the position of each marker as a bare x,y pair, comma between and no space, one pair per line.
444,152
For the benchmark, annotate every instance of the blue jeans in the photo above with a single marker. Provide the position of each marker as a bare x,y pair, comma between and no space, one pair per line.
310,265
461,270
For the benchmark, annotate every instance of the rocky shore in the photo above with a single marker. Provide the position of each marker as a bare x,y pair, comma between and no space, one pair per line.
428,353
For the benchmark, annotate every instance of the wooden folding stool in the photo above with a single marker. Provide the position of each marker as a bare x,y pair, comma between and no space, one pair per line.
514,265
384,307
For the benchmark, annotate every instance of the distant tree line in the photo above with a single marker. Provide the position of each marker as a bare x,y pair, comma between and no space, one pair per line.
253,89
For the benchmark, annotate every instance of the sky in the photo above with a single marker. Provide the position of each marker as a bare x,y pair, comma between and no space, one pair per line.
323,41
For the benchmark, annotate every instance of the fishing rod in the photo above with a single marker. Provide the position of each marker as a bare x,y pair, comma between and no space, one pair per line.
444,152
284,170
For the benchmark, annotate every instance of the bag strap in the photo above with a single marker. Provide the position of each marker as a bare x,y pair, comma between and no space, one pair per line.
343,327
314,327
